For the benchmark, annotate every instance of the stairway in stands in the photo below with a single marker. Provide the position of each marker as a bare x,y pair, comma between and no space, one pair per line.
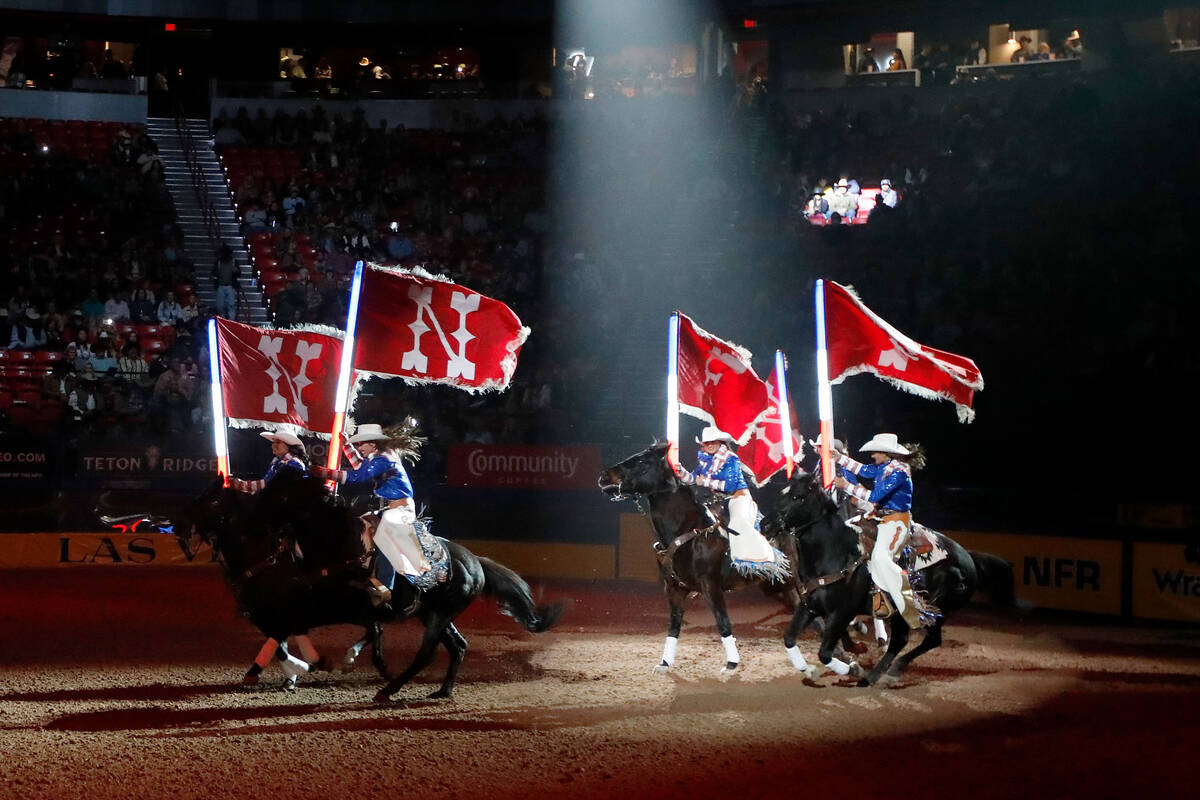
189,208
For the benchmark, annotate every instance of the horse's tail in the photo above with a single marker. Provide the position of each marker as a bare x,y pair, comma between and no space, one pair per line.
511,592
995,578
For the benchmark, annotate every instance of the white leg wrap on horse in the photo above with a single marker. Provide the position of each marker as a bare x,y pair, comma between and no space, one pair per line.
669,647
797,657
266,653
838,666
731,651
307,651
292,666
881,632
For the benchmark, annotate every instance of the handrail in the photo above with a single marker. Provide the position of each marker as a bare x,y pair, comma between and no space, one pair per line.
201,189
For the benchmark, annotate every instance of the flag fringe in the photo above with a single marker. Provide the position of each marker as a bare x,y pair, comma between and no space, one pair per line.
966,414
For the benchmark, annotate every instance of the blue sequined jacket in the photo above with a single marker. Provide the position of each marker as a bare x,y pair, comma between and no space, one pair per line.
893,488
386,472
728,479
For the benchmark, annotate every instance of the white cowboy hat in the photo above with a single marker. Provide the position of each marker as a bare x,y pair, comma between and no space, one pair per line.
885,443
844,182
282,436
370,432
712,433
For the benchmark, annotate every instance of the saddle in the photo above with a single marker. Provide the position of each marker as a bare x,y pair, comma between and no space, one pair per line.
919,541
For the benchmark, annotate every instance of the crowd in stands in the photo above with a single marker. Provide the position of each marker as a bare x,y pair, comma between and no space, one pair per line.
99,314
318,192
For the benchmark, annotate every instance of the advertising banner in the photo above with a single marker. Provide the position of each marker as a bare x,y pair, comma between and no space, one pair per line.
165,464
111,549
1056,571
523,466
1165,584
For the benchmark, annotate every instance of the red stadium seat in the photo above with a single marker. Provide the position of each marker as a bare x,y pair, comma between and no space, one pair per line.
31,396
21,357
152,348
20,414
7,397
48,357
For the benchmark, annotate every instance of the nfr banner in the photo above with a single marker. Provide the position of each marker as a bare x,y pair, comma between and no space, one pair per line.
523,466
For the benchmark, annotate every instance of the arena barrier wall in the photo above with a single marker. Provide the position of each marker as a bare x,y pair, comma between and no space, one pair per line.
106,549
1057,571
129,108
1164,584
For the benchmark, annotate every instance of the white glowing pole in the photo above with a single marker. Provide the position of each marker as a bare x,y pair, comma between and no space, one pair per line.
345,371
673,389
220,442
785,416
824,391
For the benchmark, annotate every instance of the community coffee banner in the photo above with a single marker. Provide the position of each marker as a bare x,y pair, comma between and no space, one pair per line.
523,466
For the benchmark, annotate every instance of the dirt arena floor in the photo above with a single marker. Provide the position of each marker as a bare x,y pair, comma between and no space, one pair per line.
123,683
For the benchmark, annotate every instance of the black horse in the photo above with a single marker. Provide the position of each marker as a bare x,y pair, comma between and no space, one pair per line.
283,597
832,572
693,555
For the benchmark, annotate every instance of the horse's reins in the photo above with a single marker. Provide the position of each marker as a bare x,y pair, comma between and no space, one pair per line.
267,562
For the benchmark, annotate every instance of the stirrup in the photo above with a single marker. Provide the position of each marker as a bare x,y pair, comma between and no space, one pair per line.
882,606
379,593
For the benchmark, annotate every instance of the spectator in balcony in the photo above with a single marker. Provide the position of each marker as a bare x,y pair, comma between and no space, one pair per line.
27,331
149,160
842,202
141,306
976,54
190,316
93,307
1043,53
83,399
169,310
225,274
1022,53
133,366
888,195
293,205
112,68
324,72
897,61
868,63
817,205
116,307
102,355
172,400
60,382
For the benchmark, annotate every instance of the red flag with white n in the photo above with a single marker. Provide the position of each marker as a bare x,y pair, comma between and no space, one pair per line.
764,454
428,329
278,377
717,383
859,340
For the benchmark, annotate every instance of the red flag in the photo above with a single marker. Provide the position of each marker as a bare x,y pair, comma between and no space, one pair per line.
763,454
278,378
858,340
717,383
427,329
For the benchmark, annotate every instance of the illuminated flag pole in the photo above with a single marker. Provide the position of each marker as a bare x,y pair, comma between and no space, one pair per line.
342,399
785,416
673,389
220,442
824,392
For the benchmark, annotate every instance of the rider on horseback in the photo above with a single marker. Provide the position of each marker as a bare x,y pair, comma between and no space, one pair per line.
719,469
890,501
381,465
288,452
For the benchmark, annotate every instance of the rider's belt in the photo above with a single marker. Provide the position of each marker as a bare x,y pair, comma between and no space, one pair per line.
399,501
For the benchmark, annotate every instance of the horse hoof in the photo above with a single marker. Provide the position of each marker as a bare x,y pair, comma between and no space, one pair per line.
855,669
882,643
440,694
809,672
289,685
661,668
863,683
729,668
860,628
249,680
381,697
322,664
